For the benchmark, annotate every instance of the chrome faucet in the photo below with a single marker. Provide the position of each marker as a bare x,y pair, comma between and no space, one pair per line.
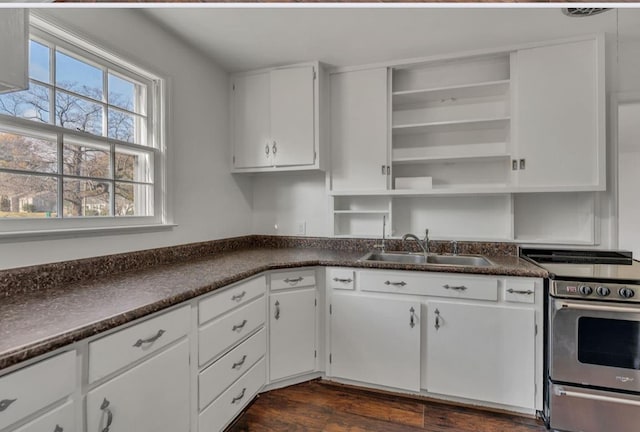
424,244
381,245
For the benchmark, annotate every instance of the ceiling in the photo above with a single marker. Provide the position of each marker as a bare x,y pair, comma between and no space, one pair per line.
244,38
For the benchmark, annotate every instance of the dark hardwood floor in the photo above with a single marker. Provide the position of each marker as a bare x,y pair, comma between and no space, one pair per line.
321,406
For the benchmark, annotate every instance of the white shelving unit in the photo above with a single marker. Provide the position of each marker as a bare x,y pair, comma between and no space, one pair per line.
361,216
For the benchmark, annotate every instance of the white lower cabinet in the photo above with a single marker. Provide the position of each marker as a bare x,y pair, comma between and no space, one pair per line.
151,397
222,411
61,419
376,340
481,352
292,332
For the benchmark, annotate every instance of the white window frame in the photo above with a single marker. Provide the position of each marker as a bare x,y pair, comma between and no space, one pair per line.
43,30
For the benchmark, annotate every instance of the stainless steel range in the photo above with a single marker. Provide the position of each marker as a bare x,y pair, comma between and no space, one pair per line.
593,339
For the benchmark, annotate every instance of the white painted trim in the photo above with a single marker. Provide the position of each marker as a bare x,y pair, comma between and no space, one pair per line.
82,232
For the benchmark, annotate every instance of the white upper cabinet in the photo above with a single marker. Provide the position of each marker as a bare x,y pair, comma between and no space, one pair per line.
559,125
14,51
359,130
276,117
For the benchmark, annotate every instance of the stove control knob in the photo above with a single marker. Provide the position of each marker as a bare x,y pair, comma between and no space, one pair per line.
603,291
585,289
626,292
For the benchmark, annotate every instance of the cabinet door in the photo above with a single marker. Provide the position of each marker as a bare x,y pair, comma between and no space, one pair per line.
481,352
292,331
359,130
151,397
252,144
292,116
376,340
559,116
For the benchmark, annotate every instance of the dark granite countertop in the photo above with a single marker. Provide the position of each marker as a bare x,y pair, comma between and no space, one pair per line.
36,321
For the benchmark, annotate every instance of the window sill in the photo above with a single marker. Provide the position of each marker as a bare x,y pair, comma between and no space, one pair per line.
82,232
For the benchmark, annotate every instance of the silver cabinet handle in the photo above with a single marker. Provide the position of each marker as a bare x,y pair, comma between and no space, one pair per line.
152,339
266,149
514,165
239,364
105,409
512,291
238,297
239,326
401,283
412,314
437,324
240,396
4,403
277,313
562,392
384,170
294,281
523,164
455,288
348,280
275,148
58,428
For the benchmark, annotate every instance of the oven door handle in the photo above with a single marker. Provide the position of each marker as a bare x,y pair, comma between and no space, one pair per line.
563,392
596,308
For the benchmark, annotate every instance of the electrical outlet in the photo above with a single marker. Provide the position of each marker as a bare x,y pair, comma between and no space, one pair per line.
301,228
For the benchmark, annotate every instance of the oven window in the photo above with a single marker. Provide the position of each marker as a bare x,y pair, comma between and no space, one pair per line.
609,342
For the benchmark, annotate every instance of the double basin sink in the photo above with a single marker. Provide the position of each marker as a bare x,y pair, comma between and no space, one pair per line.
431,259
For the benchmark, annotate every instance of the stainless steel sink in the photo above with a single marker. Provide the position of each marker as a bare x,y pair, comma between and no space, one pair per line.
413,258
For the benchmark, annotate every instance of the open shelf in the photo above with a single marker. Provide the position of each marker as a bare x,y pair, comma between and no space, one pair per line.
453,125
451,158
465,91
355,212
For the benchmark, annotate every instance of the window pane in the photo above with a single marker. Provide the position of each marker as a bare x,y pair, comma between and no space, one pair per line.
32,104
122,93
86,197
87,160
22,152
39,65
125,127
78,114
27,196
134,199
133,165
78,76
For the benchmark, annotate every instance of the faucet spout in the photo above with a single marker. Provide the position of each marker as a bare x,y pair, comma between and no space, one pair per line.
424,245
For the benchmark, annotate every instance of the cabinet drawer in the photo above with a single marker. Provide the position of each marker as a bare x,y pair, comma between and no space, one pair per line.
217,336
27,390
61,419
293,279
229,404
122,348
222,302
220,375
519,291
430,284
341,278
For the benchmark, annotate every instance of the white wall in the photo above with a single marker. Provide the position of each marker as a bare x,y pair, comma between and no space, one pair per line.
208,202
629,177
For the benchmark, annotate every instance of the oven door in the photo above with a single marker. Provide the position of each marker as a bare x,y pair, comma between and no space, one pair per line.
595,343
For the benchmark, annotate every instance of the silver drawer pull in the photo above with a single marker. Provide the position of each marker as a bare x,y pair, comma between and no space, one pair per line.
4,403
239,326
276,315
412,314
401,283
238,297
105,408
437,324
455,288
152,339
512,291
294,281
349,280
239,363
58,429
240,396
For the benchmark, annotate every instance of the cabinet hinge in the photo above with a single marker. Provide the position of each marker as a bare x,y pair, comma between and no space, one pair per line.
315,353
330,359
536,331
315,302
234,159
314,74
315,156
233,87
330,309
535,389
